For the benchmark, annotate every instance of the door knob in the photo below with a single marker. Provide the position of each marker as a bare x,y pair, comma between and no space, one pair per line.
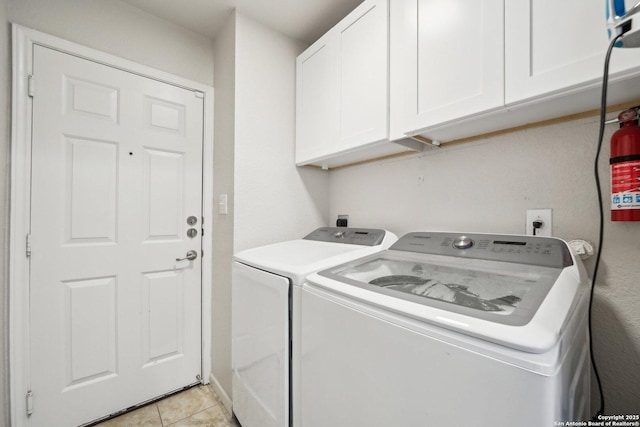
191,255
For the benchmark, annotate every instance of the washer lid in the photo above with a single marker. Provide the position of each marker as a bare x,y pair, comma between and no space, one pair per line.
499,292
519,306
297,259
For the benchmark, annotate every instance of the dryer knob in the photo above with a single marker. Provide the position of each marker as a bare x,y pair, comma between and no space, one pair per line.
462,242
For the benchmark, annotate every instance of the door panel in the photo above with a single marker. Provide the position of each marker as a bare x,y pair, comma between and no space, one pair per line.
163,184
89,338
162,323
90,190
117,169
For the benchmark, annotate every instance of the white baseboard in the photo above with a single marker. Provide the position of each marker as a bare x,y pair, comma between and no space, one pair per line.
222,395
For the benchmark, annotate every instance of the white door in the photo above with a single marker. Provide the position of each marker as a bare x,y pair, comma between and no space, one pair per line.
117,170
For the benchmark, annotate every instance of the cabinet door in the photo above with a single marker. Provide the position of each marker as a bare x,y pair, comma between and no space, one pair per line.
446,61
362,74
315,100
557,45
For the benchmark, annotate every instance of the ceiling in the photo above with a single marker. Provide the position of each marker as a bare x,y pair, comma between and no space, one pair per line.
304,20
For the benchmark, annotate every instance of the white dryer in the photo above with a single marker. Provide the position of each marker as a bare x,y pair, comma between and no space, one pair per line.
266,284
447,329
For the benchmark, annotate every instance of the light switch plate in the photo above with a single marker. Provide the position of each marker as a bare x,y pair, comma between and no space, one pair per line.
222,205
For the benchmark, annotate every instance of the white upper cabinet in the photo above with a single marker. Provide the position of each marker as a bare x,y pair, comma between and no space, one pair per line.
555,46
449,70
316,116
342,105
363,77
464,68
447,61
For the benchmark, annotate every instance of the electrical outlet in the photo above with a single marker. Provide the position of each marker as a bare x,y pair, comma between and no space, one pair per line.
543,215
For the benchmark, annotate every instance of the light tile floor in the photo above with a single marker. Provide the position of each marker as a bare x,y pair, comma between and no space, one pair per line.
197,406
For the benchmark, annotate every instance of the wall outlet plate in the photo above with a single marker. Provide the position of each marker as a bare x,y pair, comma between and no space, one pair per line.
544,215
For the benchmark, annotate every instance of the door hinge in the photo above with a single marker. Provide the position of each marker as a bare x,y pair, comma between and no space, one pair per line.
31,86
29,402
28,244
199,94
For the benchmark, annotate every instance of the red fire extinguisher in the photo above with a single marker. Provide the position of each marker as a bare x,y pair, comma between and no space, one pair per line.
625,168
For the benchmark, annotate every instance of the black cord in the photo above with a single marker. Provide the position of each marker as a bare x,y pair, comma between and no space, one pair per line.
603,110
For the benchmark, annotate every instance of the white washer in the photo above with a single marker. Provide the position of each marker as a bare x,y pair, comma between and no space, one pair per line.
265,317
442,329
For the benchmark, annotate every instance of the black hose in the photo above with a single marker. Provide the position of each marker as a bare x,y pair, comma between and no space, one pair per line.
603,111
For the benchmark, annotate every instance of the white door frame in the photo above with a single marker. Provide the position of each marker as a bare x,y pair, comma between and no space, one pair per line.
20,203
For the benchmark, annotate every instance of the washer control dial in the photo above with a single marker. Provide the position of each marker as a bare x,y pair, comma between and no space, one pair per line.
462,242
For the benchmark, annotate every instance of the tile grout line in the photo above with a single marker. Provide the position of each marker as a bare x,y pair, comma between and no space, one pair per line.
159,415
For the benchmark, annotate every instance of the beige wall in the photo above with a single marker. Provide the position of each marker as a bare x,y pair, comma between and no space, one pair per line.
487,186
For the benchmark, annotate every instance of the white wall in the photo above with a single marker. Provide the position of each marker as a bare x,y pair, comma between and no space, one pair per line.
487,186
274,200
224,118
270,200
5,81
120,29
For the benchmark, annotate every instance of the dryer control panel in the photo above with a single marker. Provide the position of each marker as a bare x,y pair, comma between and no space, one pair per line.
530,250
352,236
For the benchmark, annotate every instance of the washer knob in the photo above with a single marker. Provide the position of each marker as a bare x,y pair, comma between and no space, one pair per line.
339,234
462,242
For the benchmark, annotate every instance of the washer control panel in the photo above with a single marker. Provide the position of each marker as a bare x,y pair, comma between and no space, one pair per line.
352,236
531,250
